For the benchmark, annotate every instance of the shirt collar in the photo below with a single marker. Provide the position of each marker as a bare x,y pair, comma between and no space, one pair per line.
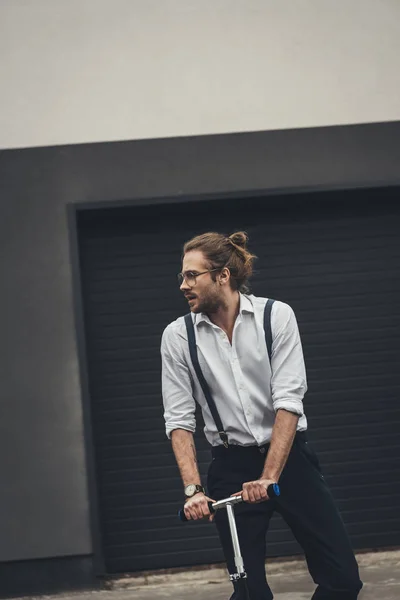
245,306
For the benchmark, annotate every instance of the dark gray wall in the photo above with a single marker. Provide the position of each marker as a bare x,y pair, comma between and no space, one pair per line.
44,506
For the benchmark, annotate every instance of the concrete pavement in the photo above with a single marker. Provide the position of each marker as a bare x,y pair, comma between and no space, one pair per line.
380,572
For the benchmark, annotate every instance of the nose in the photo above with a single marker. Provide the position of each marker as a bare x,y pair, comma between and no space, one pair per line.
184,286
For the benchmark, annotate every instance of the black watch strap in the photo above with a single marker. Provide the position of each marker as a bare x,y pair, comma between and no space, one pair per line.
192,489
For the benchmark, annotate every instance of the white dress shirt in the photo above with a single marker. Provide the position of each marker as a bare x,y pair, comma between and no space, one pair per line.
246,391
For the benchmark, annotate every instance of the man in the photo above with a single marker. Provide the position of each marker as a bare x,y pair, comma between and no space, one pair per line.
260,407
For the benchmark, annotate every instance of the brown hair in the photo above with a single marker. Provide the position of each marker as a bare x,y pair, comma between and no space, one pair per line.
226,251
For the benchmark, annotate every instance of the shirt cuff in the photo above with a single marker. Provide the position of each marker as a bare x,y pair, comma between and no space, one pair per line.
171,427
293,406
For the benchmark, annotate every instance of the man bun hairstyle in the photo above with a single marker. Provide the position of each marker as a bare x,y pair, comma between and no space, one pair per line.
239,238
226,251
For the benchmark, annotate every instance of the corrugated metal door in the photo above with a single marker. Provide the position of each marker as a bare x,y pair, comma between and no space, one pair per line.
335,259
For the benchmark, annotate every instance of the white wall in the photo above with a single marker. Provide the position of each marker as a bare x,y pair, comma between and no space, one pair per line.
97,70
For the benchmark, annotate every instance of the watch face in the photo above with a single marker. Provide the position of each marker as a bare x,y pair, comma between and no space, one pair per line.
190,489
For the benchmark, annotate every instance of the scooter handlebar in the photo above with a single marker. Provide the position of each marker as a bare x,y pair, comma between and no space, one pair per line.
273,491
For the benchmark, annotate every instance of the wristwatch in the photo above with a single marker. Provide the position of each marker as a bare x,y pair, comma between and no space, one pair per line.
192,489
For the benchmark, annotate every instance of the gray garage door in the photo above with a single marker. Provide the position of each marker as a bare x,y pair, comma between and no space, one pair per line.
335,259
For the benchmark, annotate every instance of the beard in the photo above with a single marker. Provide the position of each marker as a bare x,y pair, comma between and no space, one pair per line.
209,303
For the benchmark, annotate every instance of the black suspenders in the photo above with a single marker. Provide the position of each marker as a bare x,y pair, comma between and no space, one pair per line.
204,385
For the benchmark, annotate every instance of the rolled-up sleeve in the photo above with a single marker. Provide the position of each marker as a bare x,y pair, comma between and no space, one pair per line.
179,404
288,380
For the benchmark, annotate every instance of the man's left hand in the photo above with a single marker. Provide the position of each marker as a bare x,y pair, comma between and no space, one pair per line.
255,491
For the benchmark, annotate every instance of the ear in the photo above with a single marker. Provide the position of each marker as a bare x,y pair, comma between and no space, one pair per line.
224,276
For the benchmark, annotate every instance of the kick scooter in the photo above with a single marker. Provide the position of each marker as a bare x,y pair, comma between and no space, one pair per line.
240,576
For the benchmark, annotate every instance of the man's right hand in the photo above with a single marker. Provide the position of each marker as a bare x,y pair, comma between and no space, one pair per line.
196,507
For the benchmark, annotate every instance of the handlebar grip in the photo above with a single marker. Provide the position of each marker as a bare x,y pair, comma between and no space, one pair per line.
183,518
273,491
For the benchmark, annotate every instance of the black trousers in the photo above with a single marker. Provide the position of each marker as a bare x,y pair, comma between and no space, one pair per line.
306,505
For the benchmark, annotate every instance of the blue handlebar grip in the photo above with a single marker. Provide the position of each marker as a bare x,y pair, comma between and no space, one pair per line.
182,516
273,490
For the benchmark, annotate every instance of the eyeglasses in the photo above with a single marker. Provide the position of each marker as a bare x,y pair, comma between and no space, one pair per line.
191,276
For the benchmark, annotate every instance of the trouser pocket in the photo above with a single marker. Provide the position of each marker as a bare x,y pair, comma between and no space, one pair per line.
309,453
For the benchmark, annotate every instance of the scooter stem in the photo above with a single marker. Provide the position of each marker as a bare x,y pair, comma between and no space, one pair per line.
235,541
